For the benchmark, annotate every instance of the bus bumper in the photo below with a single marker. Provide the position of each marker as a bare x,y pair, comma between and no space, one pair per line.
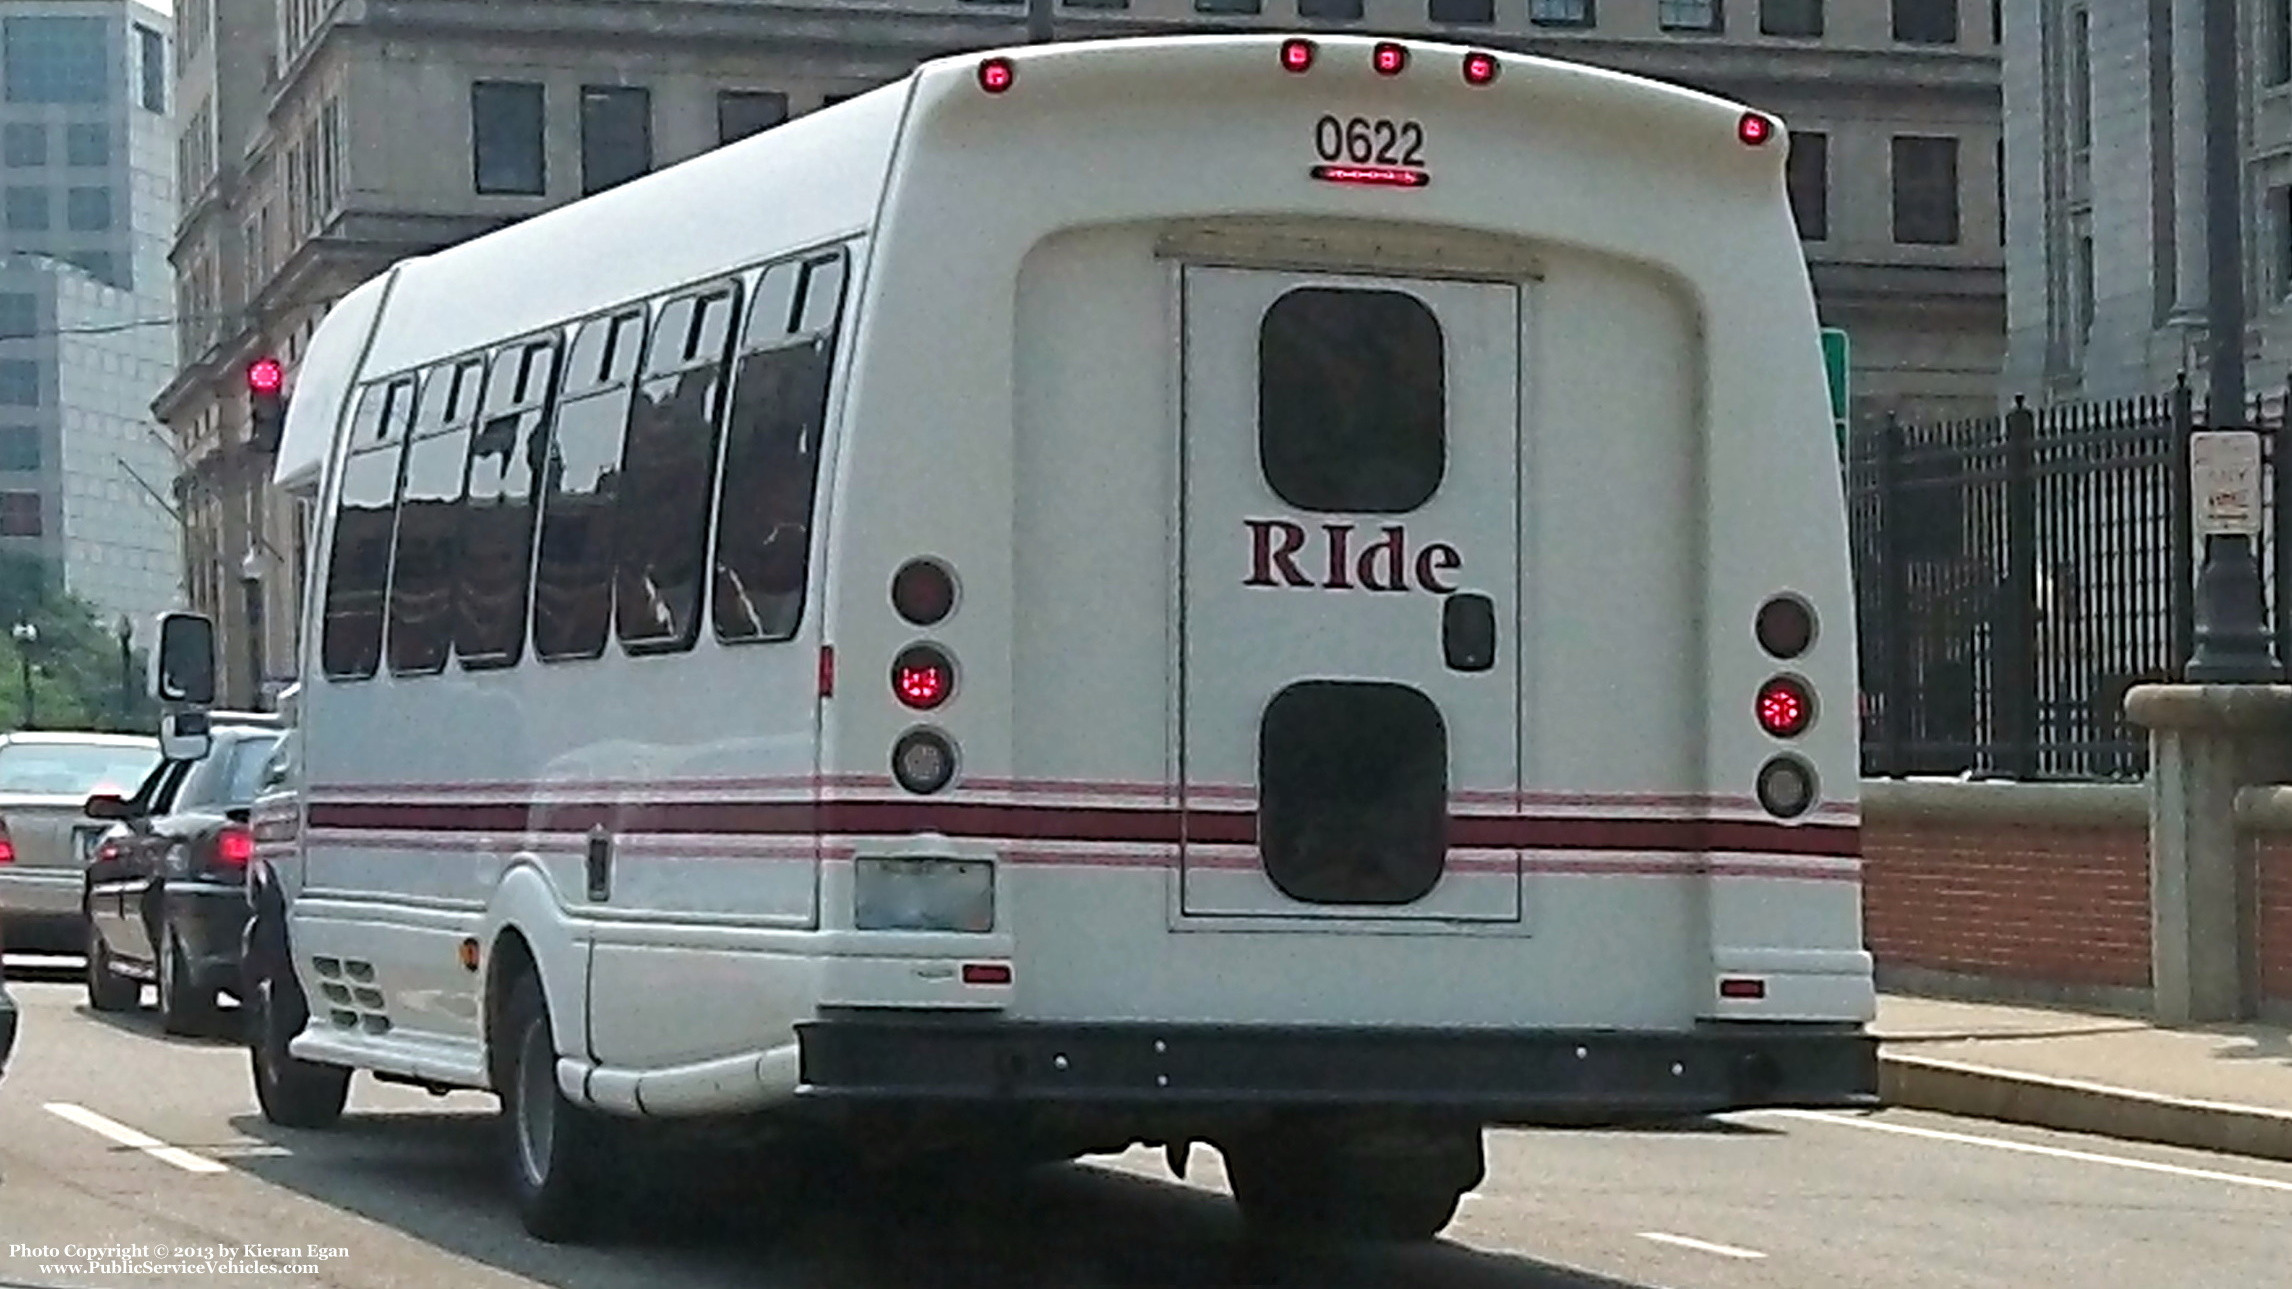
1498,1077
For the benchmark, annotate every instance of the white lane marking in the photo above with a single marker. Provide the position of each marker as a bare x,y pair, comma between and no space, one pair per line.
2051,1152
1700,1246
132,1139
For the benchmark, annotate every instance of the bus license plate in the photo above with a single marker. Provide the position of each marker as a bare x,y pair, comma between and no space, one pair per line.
1369,141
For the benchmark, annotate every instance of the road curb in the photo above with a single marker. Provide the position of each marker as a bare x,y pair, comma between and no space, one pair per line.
2069,1105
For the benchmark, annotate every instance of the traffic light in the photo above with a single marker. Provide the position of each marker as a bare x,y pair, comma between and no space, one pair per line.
266,403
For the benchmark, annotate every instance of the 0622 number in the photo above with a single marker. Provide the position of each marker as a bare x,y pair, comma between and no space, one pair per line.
1369,141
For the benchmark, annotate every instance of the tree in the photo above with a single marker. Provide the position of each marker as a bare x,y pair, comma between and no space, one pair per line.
78,679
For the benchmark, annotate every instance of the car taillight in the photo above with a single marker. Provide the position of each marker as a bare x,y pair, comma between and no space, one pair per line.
235,847
107,852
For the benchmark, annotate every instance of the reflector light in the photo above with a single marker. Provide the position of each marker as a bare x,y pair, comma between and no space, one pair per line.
1785,627
1754,129
234,847
1785,707
923,592
1742,987
986,973
265,376
996,75
923,761
1297,55
1389,58
1479,68
1374,176
1786,787
923,677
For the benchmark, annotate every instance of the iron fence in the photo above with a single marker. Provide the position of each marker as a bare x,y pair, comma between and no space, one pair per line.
2016,574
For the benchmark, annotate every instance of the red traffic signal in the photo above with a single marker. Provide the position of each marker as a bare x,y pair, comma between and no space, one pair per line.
265,376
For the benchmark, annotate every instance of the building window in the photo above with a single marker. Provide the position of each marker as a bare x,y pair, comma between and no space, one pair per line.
506,138
2080,80
55,60
616,135
1563,13
19,448
19,514
87,145
87,210
1690,15
2280,214
27,209
2279,38
740,113
1926,22
1226,6
1461,11
2082,253
1332,10
23,146
151,49
19,382
1807,175
19,316
1925,191
103,266
1801,18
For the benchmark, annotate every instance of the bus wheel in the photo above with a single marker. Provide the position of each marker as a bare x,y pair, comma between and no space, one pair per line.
293,1093
556,1150
1299,1185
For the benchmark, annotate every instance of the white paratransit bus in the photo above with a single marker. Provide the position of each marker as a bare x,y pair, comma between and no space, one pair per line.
1288,593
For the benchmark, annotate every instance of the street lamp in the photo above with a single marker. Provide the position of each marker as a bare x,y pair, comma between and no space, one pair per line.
251,584
26,635
125,630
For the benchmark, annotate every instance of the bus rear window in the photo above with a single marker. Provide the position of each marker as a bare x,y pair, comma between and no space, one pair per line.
1352,401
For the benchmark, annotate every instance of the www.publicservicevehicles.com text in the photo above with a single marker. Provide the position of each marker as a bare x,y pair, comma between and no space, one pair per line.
192,1259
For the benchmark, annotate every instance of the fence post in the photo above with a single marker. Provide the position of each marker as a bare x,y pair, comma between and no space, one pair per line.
2180,588
1893,685
2013,669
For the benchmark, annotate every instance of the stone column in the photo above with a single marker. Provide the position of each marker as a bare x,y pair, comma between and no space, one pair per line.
2206,744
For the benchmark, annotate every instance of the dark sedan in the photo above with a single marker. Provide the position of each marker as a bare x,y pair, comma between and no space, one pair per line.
166,895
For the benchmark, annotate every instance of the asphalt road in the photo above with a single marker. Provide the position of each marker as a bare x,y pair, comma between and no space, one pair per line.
112,1134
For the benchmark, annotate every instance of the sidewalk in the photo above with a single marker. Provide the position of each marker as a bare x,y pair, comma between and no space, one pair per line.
2226,1087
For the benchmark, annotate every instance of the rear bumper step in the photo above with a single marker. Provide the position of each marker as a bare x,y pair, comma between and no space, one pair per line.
1498,1076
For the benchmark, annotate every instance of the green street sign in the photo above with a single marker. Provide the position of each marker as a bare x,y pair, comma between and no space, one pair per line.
1834,351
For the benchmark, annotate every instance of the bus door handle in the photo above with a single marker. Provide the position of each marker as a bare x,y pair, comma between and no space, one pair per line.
1468,631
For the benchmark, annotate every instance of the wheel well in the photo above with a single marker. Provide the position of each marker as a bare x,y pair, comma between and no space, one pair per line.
511,960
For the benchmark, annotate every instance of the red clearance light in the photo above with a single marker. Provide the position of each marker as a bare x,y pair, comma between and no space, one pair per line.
265,376
235,847
1480,68
1296,55
1389,58
1754,129
1785,707
923,677
1375,176
1742,987
986,973
996,75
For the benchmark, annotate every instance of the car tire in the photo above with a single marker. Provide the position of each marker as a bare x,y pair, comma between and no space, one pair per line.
108,991
293,1093
184,1008
557,1153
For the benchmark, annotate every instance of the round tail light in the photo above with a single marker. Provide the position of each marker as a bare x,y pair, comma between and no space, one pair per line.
1786,787
923,677
1785,627
1754,130
1785,707
923,761
923,592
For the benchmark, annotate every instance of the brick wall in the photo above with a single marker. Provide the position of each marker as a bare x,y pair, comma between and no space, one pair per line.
2275,853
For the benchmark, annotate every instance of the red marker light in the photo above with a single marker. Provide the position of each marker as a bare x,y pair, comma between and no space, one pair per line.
1479,68
986,973
1389,58
923,677
1296,55
1754,129
1785,707
1742,987
265,376
1373,176
996,75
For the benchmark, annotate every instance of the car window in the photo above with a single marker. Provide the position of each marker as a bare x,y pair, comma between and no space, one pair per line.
172,777
276,769
73,769
249,757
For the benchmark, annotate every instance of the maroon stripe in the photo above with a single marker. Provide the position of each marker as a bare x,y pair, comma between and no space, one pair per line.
1141,826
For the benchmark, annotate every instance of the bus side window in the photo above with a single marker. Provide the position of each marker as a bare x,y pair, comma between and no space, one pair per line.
358,564
505,461
771,458
668,470
573,579
429,515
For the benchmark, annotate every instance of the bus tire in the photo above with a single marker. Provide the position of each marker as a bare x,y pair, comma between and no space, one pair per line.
293,1093
1295,1186
555,1150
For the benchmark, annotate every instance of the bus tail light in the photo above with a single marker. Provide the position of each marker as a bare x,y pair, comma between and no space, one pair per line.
1742,987
1297,55
996,75
1786,787
1389,58
1785,627
923,676
1786,708
235,846
923,592
1754,130
923,761
986,973
1480,68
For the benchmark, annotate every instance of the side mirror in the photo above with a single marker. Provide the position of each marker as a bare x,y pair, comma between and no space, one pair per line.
108,806
183,736
183,666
